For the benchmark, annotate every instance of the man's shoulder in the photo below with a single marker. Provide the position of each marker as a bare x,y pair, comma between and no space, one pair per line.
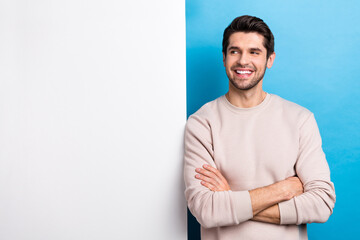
205,114
208,109
290,108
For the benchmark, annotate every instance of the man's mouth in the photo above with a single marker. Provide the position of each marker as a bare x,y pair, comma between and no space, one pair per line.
243,73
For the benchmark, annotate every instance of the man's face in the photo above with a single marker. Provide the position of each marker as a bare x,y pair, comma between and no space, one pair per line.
245,60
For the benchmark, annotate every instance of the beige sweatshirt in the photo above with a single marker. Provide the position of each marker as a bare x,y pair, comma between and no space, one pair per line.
256,147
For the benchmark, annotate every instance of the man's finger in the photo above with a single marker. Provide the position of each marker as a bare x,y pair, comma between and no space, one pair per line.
209,186
206,172
209,174
206,179
223,184
215,171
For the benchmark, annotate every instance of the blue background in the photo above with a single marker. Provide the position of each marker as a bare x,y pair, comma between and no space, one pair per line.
317,65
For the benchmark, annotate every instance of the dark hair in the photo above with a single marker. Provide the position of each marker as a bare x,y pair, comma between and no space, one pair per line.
249,24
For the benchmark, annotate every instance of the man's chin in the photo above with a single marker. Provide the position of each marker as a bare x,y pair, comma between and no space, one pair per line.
243,85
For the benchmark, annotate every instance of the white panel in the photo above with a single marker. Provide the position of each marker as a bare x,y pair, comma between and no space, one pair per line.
92,111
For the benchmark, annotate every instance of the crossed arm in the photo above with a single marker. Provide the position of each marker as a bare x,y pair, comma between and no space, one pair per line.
264,200
213,203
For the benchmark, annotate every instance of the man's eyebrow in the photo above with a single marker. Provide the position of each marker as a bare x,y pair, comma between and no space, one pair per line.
233,48
256,49
251,49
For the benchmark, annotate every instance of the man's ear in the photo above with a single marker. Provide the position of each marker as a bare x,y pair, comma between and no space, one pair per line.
270,60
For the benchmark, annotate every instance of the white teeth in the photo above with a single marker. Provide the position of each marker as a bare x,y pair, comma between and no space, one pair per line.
243,72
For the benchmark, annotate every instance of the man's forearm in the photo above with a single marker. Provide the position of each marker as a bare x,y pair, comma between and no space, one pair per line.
265,197
264,200
269,215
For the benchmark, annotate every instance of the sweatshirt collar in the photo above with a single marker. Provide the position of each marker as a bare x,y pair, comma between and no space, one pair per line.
257,108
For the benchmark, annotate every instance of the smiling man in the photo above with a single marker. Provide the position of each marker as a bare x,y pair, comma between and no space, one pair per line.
254,165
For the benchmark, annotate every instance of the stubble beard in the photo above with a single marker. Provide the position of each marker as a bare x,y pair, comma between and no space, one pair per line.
251,85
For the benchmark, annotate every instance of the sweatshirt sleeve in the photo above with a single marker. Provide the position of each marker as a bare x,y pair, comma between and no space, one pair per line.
211,209
317,202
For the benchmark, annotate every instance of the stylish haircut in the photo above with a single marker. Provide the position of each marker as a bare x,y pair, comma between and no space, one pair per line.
249,24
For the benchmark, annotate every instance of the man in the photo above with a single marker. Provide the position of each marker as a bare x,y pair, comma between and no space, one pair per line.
254,165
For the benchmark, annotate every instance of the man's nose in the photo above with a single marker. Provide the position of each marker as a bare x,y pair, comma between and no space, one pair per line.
243,59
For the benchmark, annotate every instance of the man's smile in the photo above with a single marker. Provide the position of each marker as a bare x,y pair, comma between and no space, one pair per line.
243,72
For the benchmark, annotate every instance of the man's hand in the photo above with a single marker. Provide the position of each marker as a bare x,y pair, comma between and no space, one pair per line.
290,187
212,178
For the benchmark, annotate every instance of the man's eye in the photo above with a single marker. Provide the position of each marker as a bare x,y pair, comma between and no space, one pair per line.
234,52
256,53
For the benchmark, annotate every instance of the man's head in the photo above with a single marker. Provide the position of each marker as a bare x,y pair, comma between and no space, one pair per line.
248,49
249,24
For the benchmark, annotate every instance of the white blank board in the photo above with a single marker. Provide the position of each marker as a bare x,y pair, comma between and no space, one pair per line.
92,112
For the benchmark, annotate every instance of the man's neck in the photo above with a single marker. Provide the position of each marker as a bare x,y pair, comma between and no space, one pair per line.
246,98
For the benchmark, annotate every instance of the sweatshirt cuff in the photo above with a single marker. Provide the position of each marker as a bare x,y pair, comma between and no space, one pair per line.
243,205
288,214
